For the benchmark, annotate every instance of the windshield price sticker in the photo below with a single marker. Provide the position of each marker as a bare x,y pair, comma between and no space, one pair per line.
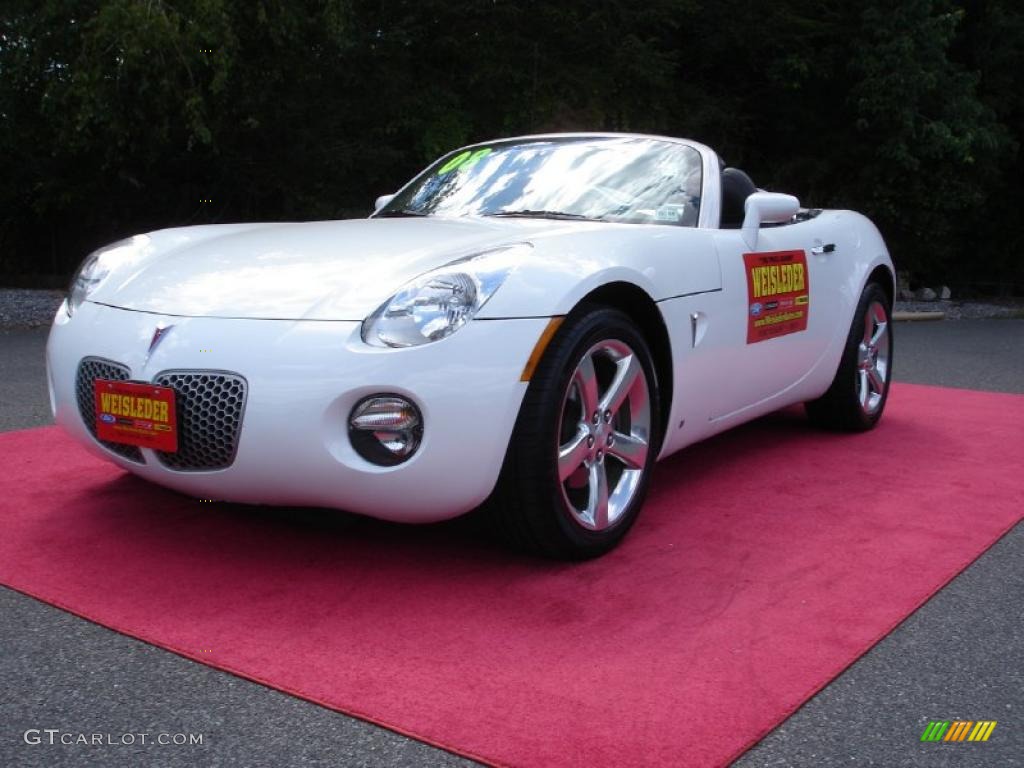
778,296
464,160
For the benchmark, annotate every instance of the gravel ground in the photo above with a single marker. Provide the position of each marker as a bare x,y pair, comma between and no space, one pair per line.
966,310
26,308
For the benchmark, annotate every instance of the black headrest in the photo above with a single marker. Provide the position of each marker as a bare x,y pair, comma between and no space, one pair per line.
736,188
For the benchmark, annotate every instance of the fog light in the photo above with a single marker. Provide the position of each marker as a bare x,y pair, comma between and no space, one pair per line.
385,429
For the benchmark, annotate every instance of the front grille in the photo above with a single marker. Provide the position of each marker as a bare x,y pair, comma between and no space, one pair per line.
90,369
210,405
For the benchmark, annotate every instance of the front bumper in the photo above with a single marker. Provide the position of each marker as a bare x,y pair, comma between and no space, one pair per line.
304,377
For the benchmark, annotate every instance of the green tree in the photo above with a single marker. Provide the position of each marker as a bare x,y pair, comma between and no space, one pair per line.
992,44
119,116
927,142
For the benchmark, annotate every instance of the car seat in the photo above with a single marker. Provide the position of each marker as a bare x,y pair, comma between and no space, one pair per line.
736,188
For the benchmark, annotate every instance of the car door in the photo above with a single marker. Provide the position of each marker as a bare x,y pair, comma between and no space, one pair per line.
781,311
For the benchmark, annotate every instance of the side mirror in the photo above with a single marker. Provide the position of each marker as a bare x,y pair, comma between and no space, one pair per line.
766,208
381,201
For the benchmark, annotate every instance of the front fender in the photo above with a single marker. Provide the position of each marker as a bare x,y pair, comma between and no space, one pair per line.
664,262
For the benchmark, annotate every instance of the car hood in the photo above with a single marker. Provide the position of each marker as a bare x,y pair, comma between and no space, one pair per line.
323,270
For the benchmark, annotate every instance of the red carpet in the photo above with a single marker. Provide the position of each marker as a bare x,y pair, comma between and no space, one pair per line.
766,561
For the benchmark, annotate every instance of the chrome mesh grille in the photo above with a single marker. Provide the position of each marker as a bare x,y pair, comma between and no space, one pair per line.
210,405
90,369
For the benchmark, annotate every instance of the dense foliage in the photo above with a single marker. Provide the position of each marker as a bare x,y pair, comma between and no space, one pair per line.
119,116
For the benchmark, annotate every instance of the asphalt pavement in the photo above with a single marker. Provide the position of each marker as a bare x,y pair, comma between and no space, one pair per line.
23,399
961,656
969,354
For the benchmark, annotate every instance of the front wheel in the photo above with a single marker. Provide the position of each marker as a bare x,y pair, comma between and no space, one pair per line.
858,394
581,454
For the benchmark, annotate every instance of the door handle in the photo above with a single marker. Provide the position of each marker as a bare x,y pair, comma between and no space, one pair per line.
821,250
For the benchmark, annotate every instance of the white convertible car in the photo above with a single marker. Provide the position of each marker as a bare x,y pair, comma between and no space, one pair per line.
526,326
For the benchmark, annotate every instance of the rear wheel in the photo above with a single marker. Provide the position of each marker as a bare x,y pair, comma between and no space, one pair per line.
858,394
580,458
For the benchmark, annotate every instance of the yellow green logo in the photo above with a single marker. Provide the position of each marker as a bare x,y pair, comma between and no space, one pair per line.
958,730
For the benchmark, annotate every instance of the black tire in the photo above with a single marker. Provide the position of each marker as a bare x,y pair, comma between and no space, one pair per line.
841,407
530,506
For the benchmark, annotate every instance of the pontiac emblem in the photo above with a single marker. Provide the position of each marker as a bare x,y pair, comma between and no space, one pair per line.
158,335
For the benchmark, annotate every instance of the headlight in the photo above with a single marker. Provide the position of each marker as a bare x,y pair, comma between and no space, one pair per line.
98,265
437,304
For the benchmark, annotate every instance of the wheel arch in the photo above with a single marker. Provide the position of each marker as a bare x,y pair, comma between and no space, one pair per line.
635,302
885,278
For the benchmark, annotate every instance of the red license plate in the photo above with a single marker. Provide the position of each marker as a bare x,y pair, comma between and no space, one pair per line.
136,414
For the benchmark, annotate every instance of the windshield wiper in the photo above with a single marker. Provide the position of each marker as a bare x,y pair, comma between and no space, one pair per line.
545,215
396,214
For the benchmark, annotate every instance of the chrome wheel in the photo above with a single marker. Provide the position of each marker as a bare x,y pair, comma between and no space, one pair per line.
873,354
604,435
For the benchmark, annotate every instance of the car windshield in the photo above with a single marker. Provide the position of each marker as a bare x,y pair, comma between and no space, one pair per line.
617,179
